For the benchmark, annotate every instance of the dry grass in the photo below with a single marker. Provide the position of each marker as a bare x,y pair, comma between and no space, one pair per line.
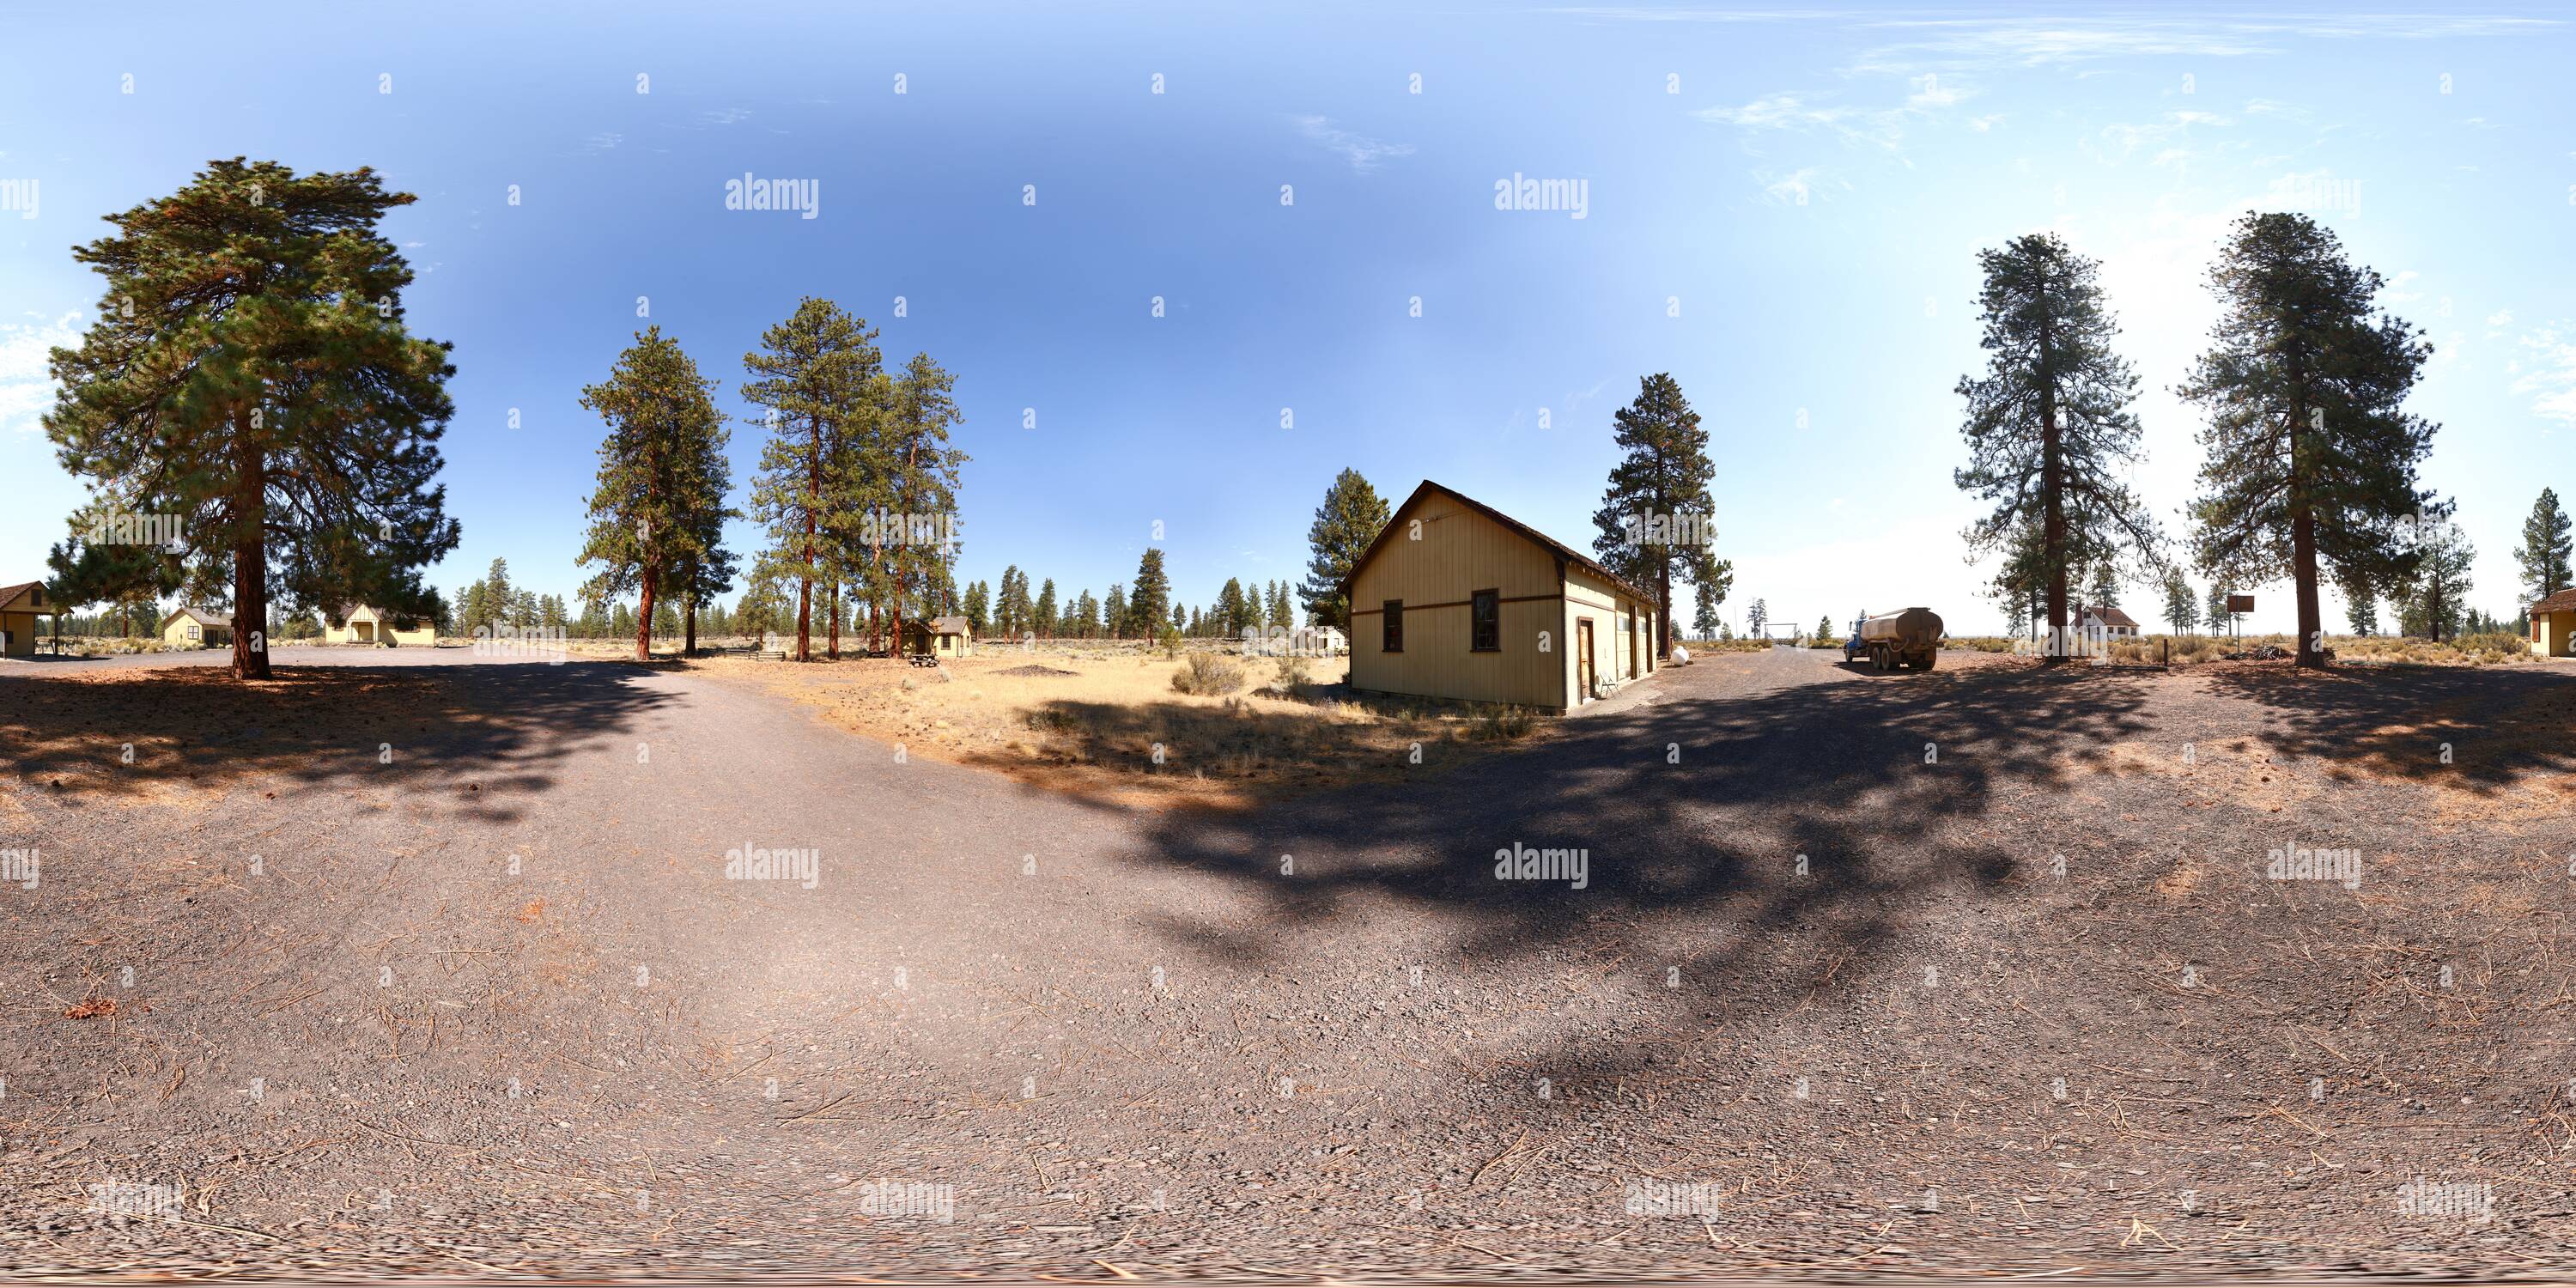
2192,650
1116,723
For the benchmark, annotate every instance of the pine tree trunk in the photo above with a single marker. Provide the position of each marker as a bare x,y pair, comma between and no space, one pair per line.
250,554
2303,547
1664,613
644,624
834,649
2052,486
690,649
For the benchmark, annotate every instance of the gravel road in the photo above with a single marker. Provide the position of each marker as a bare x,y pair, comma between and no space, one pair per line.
1798,967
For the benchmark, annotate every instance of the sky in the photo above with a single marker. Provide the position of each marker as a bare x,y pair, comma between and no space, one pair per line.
1188,262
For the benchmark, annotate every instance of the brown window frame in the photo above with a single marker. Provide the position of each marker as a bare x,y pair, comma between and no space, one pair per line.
1477,625
1391,628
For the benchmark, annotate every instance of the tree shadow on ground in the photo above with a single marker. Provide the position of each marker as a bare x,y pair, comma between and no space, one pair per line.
1238,754
2500,724
500,726
1778,838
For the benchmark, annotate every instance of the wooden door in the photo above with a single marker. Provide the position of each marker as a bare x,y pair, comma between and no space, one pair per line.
1583,660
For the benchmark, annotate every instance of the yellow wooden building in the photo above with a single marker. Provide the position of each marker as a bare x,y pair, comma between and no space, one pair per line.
1456,599
2553,625
939,637
360,624
196,628
23,610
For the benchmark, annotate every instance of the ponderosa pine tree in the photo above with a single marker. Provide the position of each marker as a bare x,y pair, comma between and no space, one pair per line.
1656,517
2182,611
2049,428
2360,604
1349,519
2310,456
2544,553
250,372
2105,590
979,608
913,470
659,508
704,567
819,373
2433,601
1149,603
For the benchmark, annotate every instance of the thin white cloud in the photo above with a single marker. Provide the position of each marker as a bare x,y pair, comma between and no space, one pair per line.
604,141
2550,381
725,116
1363,153
2064,41
1885,127
2162,135
26,386
1792,189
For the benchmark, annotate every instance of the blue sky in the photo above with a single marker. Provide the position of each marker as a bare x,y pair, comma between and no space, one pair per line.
1783,209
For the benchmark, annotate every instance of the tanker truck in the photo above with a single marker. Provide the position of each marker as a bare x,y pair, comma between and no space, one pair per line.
1911,638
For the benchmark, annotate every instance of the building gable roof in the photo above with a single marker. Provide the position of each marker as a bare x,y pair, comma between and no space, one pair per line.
2558,603
198,615
347,613
9,594
1564,553
943,625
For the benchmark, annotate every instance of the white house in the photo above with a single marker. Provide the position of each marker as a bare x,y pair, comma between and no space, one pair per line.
2111,622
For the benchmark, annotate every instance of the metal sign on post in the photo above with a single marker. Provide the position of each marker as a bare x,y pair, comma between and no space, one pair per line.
2240,603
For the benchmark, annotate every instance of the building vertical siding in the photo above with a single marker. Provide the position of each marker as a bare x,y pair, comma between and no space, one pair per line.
1437,552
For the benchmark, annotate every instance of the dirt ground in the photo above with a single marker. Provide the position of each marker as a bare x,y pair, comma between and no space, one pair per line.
1106,722
414,963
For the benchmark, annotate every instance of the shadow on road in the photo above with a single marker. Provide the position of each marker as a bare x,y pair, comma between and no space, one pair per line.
499,726
2499,724
1695,813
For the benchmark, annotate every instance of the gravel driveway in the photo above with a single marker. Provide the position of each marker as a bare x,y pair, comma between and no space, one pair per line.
1979,967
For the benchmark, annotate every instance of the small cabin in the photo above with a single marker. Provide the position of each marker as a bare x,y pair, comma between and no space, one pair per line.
196,628
2553,625
363,624
939,637
23,608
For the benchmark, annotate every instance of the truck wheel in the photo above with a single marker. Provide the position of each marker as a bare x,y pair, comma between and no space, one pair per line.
1878,657
1929,660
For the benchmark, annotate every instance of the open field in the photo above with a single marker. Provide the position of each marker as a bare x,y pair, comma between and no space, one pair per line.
1982,967
1106,721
